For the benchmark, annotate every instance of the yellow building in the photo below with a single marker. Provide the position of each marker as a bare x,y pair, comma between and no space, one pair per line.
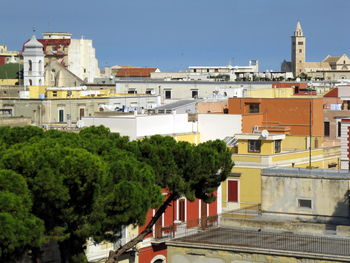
262,150
270,93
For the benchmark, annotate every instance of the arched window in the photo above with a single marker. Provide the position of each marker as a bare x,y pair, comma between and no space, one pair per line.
30,82
158,259
30,65
40,65
53,75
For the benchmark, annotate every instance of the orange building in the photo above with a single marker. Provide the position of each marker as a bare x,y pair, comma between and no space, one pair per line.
280,115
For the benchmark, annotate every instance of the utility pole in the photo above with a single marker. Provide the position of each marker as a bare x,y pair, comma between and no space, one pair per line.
310,140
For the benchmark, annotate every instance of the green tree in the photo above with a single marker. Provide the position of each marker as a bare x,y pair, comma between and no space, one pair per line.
83,185
92,183
19,228
183,169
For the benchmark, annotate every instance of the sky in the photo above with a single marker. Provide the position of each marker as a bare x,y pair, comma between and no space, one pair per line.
173,35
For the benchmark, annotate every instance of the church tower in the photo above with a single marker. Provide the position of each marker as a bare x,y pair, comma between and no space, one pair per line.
33,63
298,50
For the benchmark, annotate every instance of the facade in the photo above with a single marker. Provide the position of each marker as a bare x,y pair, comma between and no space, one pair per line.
77,55
173,90
256,151
139,126
280,115
290,192
56,75
330,68
66,112
8,56
218,126
33,63
295,223
345,144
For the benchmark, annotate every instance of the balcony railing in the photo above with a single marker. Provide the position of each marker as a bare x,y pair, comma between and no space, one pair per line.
180,229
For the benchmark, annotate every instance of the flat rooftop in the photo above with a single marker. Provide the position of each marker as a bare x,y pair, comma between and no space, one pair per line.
267,241
306,173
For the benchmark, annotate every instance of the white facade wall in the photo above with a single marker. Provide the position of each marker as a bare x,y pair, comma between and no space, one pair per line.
137,126
33,63
218,126
163,124
125,125
82,59
183,89
344,147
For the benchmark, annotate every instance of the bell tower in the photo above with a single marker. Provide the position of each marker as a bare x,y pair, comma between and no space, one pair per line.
33,63
298,50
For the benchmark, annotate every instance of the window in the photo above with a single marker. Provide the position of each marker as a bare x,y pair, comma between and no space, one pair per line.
339,128
54,94
40,65
300,43
167,94
278,146
30,82
304,203
149,91
208,69
181,210
81,113
195,94
326,128
254,146
300,51
194,70
253,107
232,191
132,91
30,65
60,115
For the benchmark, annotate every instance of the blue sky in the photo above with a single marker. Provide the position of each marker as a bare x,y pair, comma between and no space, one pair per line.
173,35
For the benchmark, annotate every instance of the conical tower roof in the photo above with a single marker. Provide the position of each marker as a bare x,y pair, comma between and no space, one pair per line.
298,30
33,42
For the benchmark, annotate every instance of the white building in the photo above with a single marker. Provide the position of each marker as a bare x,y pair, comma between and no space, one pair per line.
81,56
218,126
33,63
139,126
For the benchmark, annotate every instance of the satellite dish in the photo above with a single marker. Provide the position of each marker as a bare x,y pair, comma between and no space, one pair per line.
264,133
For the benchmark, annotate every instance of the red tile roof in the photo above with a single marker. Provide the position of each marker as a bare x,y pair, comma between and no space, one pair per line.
135,72
332,93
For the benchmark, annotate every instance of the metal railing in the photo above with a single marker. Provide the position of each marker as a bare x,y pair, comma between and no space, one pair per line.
273,240
182,229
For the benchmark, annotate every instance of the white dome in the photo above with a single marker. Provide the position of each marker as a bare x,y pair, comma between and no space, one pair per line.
33,42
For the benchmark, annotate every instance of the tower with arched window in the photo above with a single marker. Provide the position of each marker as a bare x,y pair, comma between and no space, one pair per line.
33,63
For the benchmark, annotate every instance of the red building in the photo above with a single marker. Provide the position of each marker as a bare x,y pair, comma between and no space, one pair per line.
179,219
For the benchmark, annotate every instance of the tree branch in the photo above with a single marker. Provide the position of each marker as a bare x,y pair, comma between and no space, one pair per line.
114,255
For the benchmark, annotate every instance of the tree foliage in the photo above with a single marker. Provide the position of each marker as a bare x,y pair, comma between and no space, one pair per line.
19,228
92,183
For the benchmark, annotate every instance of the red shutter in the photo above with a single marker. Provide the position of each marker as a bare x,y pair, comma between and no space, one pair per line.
232,191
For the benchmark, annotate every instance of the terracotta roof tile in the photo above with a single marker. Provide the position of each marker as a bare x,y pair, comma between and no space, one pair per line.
135,72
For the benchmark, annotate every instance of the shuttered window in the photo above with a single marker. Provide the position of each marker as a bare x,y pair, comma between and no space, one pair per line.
232,195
